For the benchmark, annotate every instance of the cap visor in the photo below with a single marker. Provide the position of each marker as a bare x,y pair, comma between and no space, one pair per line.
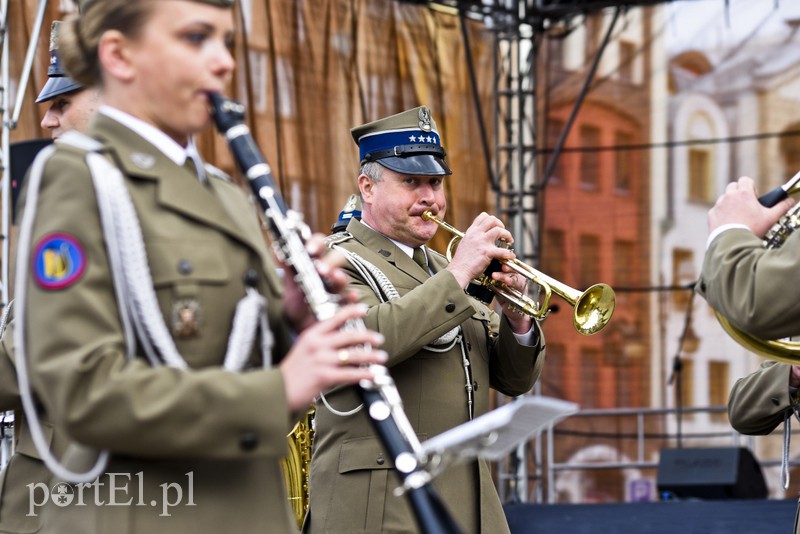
57,86
422,165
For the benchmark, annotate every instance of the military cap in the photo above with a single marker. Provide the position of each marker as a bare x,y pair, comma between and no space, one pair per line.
58,82
352,209
407,143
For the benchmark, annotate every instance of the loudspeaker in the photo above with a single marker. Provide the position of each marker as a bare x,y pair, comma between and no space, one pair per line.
713,473
22,155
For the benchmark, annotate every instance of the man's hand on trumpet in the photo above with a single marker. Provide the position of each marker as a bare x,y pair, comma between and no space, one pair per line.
520,323
479,247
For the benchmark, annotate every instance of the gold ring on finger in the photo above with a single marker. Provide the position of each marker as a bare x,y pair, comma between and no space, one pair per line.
344,356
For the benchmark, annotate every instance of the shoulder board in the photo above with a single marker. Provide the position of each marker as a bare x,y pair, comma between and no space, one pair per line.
339,237
216,172
80,141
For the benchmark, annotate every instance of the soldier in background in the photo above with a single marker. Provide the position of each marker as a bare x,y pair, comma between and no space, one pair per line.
72,105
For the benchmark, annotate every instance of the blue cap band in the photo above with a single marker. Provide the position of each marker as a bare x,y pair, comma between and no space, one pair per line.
390,139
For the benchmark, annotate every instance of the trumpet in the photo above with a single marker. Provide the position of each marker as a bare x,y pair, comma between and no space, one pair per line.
593,308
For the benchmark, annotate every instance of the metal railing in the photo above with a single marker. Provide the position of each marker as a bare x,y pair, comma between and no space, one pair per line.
551,468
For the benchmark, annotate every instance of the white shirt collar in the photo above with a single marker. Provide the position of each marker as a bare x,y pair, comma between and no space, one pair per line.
153,135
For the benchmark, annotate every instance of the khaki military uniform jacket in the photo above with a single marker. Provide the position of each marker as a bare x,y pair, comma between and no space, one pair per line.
746,283
25,467
760,402
206,438
352,478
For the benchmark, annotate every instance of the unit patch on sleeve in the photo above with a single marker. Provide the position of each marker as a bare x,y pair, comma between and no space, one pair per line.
58,261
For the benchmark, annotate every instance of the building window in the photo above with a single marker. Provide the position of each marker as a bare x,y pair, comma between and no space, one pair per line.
589,267
790,151
594,26
590,367
683,274
622,176
700,189
626,395
686,382
590,159
623,263
718,380
553,379
554,254
555,50
554,129
627,58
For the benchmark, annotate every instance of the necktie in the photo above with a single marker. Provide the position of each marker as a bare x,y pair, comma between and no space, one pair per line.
421,259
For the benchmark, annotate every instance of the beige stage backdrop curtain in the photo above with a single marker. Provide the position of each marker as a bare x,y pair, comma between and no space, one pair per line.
310,70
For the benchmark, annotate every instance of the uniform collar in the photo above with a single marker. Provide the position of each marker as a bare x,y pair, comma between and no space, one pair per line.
390,250
164,143
402,246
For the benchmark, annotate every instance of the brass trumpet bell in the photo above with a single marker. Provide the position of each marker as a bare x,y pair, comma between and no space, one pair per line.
592,309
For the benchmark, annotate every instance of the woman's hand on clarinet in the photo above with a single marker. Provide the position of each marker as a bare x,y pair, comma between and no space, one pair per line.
326,355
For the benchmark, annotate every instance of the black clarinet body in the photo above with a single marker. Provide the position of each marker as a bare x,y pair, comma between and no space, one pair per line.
289,235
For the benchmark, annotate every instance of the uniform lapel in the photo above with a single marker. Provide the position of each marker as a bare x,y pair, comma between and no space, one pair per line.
230,195
386,249
436,262
178,189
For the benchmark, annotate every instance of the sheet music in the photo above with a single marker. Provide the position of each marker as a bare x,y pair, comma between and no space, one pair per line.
495,434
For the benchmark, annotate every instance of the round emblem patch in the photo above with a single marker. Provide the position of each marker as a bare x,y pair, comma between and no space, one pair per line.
58,261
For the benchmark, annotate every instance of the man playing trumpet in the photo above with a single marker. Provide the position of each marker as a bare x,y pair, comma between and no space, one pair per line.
446,349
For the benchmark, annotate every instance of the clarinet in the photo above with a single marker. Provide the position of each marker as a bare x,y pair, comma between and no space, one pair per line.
289,234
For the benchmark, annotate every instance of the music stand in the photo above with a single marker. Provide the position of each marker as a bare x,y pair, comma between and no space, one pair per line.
495,434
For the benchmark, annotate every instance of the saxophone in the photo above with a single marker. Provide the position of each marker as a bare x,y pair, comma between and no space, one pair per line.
297,463
781,230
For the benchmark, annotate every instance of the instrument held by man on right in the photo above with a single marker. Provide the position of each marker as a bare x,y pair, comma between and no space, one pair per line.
774,349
